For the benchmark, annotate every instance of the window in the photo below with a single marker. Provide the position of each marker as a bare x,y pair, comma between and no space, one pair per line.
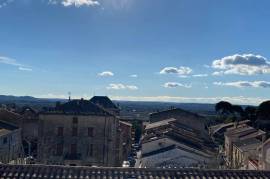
73,149
90,131
90,150
59,149
75,120
74,131
60,131
5,140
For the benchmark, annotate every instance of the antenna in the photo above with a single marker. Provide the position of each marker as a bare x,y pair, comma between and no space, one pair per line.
69,96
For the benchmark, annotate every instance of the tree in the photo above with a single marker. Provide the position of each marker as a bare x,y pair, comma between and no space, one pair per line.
238,110
251,114
224,108
263,111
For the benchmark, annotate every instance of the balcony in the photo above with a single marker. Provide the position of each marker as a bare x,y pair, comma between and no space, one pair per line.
73,157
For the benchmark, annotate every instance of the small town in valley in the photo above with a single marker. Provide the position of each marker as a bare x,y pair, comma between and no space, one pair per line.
97,132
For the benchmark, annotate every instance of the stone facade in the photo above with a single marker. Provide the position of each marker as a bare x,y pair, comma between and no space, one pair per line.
125,140
185,119
235,138
264,156
79,133
89,141
10,143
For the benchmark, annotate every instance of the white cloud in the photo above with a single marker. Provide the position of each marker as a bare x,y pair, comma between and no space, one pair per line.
181,71
242,84
246,64
217,73
133,76
9,61
106,74
182,99
5,3
117,4
200,75
79,3
120,86
206,66
175,85
76,3
62,96
13,62
25,69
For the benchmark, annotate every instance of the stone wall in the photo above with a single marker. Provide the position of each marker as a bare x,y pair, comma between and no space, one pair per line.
10,146
98,150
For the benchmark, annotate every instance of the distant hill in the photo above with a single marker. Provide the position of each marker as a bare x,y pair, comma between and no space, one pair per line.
141,110
36,103
129,109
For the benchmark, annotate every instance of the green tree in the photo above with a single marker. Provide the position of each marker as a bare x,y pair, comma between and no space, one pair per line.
238,110
263,111
224,108
251,114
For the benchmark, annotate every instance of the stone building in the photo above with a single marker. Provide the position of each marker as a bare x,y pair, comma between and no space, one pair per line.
29,126
245,151
26,119
79,133
240,143
184,119
169,153
10,143
264,155
125,142
177,138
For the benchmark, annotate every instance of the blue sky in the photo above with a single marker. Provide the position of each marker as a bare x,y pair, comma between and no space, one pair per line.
155,50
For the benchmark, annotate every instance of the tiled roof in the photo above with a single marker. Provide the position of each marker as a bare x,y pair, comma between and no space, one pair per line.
159,123
248,144
42,171
174,111
216,128
78,107
8,126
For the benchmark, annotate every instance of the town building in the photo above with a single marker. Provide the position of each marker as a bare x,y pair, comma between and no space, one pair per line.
11,150
79,132
245,153
217,131
264,155
184,119
25,118
166,152
125,140
241,143
177,138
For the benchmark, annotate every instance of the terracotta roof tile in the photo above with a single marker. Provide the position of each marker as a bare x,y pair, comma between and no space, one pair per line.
43,171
